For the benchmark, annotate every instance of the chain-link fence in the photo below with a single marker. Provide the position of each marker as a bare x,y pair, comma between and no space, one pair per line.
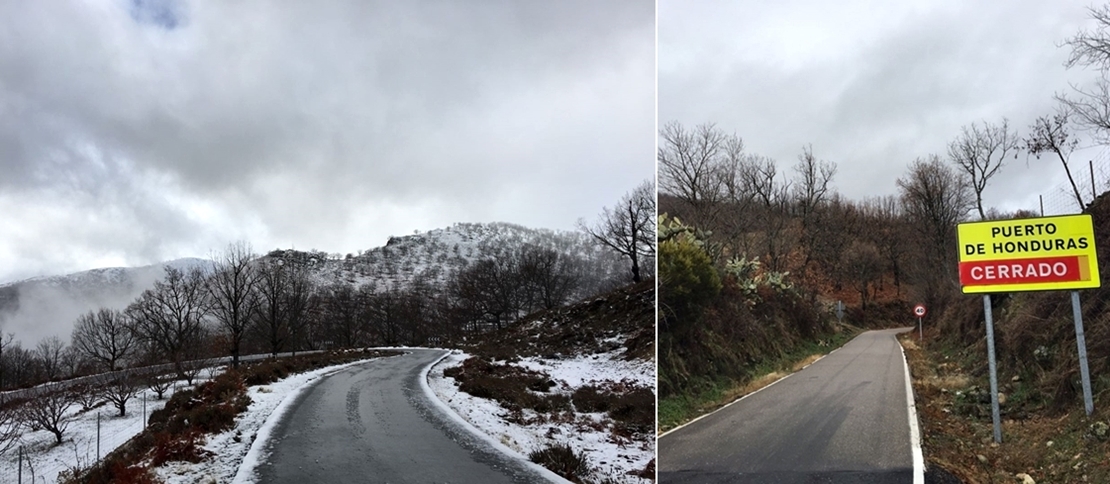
1091,179
88,435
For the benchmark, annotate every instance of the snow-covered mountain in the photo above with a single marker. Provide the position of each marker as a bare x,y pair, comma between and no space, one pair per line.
430,257
48,306
35,308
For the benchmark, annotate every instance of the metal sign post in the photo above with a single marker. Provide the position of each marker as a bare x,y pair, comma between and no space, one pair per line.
1084,373
1033,254
919,311
839,312
993,370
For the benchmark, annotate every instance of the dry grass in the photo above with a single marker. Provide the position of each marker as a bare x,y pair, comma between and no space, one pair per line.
811,359
1047,447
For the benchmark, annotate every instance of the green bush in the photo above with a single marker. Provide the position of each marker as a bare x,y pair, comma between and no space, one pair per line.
687,279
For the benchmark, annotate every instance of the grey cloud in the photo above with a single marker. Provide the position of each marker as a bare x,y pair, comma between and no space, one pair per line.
873,85
291,121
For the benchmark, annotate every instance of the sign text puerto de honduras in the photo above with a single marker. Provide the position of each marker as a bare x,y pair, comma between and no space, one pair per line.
1037,254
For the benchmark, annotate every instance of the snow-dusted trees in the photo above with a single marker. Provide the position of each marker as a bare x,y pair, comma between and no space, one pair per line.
170,316
46,409
118,389
629,227
104,336
231,294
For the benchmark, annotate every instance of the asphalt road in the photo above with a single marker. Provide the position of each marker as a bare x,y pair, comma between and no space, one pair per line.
372,423
842,420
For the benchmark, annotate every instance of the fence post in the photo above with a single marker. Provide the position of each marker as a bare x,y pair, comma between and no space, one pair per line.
19,473
98,437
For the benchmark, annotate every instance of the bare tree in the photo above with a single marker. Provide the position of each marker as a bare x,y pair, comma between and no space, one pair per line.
1091,48
159,384
170,316
548,276
49,353
490,288
47,409
118,389
272,296
864,266
231,294
979,152
694,165
812,185
105,336
935,199
1051,135
11,425
298,303
629,227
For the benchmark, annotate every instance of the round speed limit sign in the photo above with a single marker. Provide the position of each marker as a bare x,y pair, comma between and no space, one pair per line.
919,310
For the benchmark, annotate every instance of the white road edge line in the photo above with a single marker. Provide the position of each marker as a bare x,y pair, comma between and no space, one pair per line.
915,431
553,477
729,404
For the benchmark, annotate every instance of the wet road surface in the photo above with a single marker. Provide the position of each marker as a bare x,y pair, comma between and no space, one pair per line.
842,420
372,423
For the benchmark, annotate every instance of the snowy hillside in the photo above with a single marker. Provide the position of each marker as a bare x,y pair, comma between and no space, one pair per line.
431,256
47,306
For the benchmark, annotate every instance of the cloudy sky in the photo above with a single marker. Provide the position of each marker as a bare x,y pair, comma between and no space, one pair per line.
874,84
138,131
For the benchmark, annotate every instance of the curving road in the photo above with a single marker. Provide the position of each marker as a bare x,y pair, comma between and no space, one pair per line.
842,420
373,423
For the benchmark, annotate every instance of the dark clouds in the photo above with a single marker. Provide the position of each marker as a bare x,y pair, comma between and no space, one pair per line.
871,84
138,131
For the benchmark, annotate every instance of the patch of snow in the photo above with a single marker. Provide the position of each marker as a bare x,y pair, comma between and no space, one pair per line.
79,442
610,457
235,454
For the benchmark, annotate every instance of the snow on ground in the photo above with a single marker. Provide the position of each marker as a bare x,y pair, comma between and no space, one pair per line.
79,442
234,448
610,458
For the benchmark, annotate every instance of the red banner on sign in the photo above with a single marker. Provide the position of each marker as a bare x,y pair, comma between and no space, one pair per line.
1024,271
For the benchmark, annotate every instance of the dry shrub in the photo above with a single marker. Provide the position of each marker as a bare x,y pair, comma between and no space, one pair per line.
511,386
562,460
632,407
117,472
185,447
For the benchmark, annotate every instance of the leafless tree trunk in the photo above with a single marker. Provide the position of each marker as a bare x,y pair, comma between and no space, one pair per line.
272,296
159,384
812,185
298,303
980,152
105,336
49,352
170,316
1050,135
11,425
935,199
1091,48
118,389
46,409
629,228
694,165
232,295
